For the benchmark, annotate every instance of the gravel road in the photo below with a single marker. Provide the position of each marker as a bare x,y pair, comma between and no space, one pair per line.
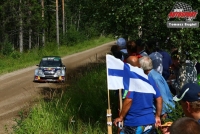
18,90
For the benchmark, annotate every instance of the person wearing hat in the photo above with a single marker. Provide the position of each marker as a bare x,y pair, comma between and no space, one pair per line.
189,98
121,42
155,56
184,71
161,58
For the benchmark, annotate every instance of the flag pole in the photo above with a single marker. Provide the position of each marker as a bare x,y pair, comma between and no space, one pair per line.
109,114
120,100
120,107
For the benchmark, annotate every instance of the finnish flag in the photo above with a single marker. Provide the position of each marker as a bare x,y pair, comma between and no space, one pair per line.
121,75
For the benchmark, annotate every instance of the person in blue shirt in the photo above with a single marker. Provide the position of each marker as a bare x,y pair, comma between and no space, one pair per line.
137,109
166,62
168,103
160,58
156,57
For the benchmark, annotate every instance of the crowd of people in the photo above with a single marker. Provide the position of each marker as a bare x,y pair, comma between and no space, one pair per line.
144,111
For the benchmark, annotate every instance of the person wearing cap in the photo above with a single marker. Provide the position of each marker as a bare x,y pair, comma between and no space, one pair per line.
121,42
185,125
161,59
168,103
189,98
155,56
184,70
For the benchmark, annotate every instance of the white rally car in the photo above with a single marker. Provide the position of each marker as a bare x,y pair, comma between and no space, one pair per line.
50,69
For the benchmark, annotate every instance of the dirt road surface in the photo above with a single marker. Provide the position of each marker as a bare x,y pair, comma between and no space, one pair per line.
17,89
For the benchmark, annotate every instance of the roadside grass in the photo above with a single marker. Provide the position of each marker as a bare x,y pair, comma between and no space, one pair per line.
78,109
17,60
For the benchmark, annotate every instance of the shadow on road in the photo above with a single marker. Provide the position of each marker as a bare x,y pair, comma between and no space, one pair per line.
51,90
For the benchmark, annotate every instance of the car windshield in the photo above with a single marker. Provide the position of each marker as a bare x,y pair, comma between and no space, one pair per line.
50,63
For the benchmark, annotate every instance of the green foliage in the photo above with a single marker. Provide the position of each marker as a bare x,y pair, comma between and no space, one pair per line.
176,113
7,48
73,36
17,60
81,108
123,20
50,49
87,19
15,55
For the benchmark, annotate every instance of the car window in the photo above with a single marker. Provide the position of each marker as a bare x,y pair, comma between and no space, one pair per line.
50,63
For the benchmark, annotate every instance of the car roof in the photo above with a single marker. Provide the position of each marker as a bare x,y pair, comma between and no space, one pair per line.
51,58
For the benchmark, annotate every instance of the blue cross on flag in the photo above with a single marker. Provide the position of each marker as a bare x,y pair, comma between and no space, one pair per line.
121,75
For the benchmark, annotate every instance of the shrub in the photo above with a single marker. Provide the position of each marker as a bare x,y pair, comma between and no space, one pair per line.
15,55
73,36
7,48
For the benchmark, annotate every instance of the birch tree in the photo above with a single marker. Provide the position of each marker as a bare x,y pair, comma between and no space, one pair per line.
57,24
20,28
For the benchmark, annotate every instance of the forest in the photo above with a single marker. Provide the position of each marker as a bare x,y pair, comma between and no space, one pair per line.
28,24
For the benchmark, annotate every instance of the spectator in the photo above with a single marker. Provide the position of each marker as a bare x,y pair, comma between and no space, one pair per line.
165,127
189,98
166,62
185,125
137,111
168,103
132,51
121,42
115,50
155,56
166,58
141,47
185,71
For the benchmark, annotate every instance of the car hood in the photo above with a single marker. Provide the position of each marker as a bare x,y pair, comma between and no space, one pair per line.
54,69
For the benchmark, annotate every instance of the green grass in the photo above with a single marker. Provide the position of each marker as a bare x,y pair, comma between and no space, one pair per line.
77,109
18,60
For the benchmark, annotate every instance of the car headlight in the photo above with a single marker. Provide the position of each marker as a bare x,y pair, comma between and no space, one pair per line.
40,72
58,72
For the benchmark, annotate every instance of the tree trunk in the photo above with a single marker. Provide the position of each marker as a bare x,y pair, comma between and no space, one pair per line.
57,23
43,30
79,18
20,29
30,30
38,40
63,9
29,38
